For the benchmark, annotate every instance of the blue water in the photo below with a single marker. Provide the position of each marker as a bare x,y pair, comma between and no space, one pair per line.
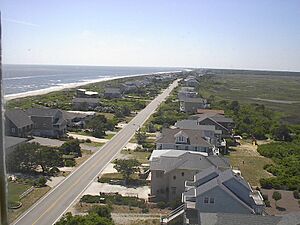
25,78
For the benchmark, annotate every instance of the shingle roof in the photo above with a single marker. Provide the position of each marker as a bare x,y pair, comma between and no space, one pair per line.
168,160
12,141
195,137
192,125
83,100
19,118
238,219
42,112
112,90
188,99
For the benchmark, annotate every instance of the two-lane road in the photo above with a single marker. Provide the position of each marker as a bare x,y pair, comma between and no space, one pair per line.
56,202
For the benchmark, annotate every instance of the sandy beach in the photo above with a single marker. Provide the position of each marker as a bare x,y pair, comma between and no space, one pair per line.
74,85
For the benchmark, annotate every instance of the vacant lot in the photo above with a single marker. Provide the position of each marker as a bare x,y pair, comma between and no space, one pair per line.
246,158
281,93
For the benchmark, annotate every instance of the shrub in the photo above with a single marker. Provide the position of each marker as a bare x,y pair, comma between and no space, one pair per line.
145,210
161,205
296,194
268,204
54,171
70,163
40,182
90,199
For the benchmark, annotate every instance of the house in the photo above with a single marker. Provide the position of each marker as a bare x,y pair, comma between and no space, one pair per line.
220,121
112,93
171,168
209,131
77,119
244,219
211,111
181,139
83,93
17,123
215,190
187,92
191,81
190,105
85,104
11,143
47,122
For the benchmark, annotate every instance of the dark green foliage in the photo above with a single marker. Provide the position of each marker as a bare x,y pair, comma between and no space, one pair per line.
71,146
127,167
27,157
89,219
40,182
140,137
281,133
296,194
116,199
103,211
267,203
99,124
70,162
286,156
162,205
276,195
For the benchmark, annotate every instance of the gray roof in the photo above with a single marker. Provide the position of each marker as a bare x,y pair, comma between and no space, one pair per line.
188,99
217,118
184,89
83,100
73,115
47,112
238,219
192,125
10,142
195,136
167,160
112,90
19,118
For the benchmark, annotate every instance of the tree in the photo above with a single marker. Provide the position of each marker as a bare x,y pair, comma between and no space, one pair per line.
140,137
71,146
276,196
41,182
127,167
103,211
27,157
281,133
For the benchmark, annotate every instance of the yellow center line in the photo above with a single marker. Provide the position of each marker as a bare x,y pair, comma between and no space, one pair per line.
78,180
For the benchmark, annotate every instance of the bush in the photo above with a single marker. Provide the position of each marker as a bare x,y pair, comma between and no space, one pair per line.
103,211
70,163
88,141
296,194
54,171
90,199
268,204
161,205
145,210
40,182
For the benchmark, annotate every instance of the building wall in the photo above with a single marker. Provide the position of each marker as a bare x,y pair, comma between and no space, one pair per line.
12,130
182,147
223,203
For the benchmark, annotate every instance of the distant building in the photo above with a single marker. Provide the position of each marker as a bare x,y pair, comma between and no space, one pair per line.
215,190
191,105
187,92
47,122
220,121
189,140
11,143
83,93
112,93
191,81
171,168
76,119
17,123
211,111
85,104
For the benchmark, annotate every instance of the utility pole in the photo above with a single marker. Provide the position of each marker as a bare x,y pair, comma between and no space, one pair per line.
3,179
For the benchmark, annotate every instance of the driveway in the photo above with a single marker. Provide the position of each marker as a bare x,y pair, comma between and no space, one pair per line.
84,137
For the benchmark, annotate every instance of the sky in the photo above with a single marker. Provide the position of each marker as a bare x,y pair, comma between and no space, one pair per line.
248,34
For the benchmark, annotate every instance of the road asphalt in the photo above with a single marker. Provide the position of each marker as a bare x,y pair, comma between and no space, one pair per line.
56,202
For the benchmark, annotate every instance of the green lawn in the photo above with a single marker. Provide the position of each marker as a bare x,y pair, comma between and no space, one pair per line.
109,136
249,162
15,190
142,157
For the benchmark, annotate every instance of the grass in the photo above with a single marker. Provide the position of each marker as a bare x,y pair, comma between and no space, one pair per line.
142,157
15,190
94,144
27,202
109,136
252,168
245,88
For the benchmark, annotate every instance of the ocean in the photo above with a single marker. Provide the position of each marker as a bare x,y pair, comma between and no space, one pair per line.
20,80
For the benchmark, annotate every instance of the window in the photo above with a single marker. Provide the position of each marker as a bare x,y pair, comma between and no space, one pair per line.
206,200
182,174
174,177
212,200
177,147
186,147
173,189
13,130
